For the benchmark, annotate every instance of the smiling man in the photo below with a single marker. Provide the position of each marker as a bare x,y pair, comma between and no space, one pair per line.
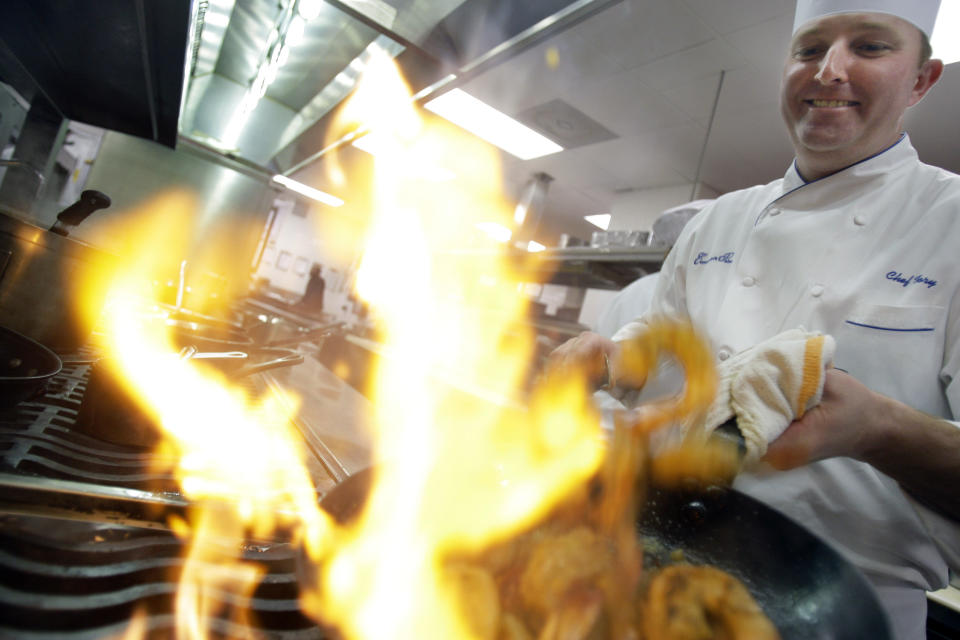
847,82
857,241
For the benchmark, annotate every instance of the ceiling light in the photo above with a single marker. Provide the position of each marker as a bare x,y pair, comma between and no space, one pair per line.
295,31
373,144
534,246
497,128
601,220
309,9
216,19
496,231
520,213
310,192
944,46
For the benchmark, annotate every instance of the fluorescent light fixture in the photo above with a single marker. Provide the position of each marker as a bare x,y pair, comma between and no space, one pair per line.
295,31
309,9
601,220
534,246
216,19
945,44
496,231
310,192
372,143
520,213
497,128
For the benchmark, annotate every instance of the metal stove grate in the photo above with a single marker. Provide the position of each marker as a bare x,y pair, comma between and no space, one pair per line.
82,540
70,580
36,438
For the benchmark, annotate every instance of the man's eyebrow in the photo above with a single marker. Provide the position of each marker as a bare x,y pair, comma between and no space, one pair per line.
860,26
814,32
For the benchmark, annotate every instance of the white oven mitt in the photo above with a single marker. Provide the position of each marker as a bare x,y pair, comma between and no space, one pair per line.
770,385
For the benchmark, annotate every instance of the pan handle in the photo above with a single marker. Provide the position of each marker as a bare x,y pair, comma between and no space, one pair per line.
287,359
312,334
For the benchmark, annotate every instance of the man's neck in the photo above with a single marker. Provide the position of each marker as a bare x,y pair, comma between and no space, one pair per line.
813,165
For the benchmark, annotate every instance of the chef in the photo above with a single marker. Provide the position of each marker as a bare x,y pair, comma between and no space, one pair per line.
858,241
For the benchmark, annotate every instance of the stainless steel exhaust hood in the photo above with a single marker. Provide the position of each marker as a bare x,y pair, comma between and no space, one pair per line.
254,80
115,64
293,81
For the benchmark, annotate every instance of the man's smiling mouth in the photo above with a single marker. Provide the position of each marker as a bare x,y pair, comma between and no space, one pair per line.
832,103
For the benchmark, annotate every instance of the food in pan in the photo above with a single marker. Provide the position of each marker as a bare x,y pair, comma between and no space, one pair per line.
685,602
579,574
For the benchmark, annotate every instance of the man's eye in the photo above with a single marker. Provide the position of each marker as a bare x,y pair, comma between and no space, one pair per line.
805,53
873,48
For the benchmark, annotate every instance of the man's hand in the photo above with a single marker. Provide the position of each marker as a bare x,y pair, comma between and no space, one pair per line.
838,426
588,352
919,451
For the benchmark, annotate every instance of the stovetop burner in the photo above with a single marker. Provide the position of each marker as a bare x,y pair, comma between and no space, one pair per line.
83,539
73,580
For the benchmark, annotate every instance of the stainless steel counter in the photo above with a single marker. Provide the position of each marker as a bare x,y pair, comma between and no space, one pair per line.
334,418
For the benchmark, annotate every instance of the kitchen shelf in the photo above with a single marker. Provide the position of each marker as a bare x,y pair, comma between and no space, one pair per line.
598,268
587,267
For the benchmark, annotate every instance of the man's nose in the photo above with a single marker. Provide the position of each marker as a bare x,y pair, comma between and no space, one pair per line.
834,65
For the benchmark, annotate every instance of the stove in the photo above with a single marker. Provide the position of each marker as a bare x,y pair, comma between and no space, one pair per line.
84,544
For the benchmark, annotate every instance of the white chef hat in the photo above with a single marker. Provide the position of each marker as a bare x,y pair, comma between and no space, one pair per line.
669,224
921,13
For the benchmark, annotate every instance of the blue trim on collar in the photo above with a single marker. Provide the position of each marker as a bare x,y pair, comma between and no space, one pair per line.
762,214
881,152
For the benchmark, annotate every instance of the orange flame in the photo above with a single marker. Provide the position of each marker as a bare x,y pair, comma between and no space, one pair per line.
456,471
463,459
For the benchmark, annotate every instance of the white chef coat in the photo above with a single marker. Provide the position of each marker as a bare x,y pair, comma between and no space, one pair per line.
630,303
870,255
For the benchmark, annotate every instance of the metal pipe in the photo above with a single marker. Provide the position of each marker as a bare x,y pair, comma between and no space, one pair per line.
13,162
706,139
379,28
145,59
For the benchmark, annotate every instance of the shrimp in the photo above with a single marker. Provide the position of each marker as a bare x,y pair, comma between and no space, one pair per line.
686,602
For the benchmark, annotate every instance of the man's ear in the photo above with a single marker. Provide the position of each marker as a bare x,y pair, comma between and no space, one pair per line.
930,72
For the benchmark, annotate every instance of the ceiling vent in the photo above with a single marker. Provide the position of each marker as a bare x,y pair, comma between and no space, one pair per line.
565,125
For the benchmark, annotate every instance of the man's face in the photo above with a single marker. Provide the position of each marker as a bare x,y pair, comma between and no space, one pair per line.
847,81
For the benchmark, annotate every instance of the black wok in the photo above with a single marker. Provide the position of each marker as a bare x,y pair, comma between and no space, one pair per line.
806,588
26,367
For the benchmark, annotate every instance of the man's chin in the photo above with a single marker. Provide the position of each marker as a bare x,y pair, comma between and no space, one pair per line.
826,141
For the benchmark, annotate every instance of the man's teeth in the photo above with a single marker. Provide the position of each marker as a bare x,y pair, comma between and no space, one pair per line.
832,103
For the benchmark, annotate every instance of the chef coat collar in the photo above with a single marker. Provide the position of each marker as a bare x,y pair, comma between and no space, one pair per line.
877,164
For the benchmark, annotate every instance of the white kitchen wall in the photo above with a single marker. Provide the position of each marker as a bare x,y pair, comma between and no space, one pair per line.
633,211
638,209
293,246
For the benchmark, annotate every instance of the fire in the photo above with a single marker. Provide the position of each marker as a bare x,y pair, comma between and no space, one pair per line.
465,457
456,471
237,458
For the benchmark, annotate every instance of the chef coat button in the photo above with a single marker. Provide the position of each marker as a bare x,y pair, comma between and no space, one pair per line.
723,354
816,290
749,281
859,220
774,211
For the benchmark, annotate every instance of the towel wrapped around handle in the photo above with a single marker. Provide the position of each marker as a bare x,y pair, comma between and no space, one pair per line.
769,385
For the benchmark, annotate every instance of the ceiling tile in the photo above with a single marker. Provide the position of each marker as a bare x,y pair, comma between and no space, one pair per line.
695,98
626,106
633,162
635,32
731,15
756,42
746,148
750,88
700,62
